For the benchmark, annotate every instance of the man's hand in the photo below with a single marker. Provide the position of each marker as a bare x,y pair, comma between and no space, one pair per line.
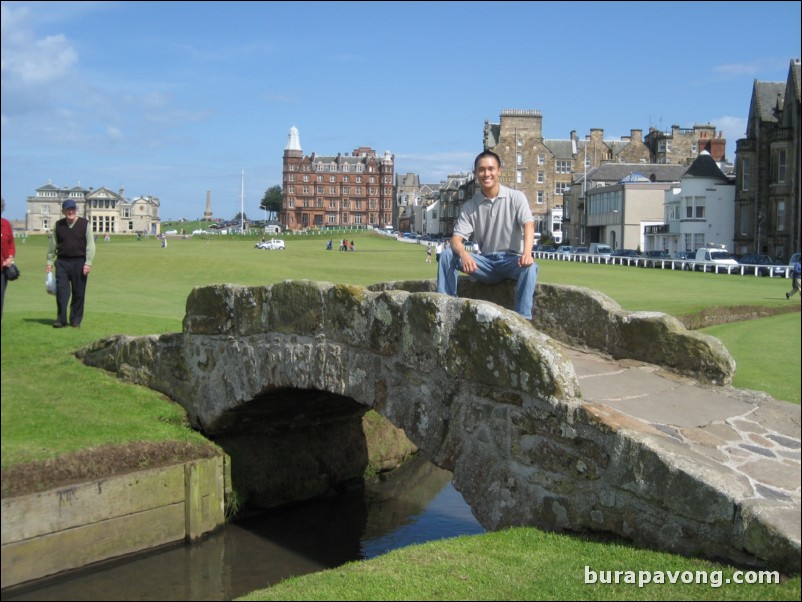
526,260
468,264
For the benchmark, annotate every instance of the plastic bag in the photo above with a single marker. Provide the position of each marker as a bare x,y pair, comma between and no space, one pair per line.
50,283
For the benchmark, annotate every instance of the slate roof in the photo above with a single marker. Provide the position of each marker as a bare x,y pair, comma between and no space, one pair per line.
705,167
615,172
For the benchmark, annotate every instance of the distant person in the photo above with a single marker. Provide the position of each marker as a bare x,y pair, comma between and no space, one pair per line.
796,277
71,249
428,252
330,245
500,221
164,241
438,250
8,249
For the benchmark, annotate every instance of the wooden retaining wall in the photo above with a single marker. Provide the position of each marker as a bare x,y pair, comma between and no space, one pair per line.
70,527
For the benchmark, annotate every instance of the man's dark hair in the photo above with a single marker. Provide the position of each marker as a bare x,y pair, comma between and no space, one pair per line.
483,154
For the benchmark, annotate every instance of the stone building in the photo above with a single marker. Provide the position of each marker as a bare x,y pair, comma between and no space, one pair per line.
108,212
336,190
767,167
544,168
683,145
408,196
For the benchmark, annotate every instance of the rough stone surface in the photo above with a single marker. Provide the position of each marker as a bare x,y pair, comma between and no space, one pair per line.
592,320
480,391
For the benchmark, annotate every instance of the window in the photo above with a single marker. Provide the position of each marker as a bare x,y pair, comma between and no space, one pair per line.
746,175
519,159
518,176
746,221
541,177
561,188
562,166
539,200
541,159
780,216
695,207
699,202
779,166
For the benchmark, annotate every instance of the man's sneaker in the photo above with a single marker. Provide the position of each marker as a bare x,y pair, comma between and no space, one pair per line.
58,324
787,296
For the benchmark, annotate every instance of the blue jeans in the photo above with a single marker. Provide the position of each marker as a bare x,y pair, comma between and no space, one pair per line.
491,268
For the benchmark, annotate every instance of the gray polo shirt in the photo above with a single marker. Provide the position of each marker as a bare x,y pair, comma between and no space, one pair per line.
497,225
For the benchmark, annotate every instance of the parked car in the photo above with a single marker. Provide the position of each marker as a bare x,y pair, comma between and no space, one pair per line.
597,248
273,244
654,259
762,265
624,256
564,250
687,258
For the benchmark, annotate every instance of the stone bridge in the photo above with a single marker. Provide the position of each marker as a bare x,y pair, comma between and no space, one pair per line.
281,376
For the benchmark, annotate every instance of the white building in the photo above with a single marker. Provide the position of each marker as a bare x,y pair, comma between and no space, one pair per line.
107,211
702,209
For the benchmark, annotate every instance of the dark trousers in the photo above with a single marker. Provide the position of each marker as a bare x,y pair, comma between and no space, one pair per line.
3,298
70,281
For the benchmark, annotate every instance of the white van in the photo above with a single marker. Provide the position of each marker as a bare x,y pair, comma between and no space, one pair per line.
598,248
715,259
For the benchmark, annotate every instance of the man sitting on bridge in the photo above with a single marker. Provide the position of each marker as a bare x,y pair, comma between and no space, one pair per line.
500,221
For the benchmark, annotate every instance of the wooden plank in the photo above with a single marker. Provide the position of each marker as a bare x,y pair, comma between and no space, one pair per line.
74,548
205,496
51,511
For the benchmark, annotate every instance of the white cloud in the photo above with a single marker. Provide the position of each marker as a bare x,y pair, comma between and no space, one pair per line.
733,128
31,61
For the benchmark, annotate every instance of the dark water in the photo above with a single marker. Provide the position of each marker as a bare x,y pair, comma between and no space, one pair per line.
416,505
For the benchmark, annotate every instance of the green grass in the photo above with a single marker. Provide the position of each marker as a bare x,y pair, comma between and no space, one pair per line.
53,404
520,564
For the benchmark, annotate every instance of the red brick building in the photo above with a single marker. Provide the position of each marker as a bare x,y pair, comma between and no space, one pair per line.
342,190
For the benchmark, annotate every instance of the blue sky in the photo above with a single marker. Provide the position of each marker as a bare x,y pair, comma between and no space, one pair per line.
174,99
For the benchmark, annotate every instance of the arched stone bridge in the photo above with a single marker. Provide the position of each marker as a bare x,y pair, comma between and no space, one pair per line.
287,371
